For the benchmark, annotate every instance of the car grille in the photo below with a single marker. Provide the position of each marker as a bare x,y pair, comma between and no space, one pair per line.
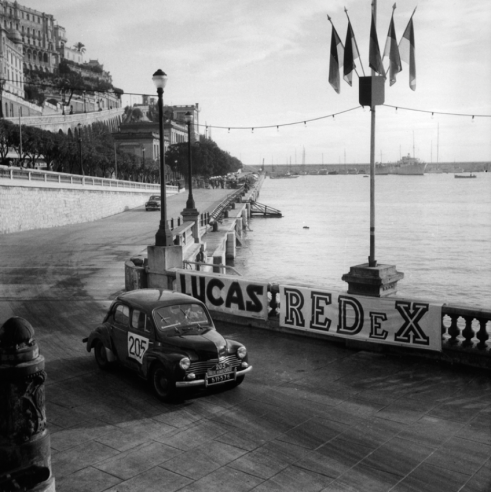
202,366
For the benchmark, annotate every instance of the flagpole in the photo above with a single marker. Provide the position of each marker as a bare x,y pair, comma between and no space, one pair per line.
361,63
371,259
393,8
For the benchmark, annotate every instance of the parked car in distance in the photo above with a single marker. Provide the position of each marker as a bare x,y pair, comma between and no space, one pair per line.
153,203
169,339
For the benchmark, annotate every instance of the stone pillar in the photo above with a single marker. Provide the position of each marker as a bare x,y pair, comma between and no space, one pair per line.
378,281
245,216
161,259
192,215
230,245
25,455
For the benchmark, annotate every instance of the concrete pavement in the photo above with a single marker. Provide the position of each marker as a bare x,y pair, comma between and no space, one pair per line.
312,416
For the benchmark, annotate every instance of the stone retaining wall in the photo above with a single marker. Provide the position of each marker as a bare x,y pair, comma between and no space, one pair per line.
25,208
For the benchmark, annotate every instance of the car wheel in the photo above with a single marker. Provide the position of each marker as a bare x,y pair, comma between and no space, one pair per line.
163,385
101,356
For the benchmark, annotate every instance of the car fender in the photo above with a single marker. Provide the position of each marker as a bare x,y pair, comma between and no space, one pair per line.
102,333
170,361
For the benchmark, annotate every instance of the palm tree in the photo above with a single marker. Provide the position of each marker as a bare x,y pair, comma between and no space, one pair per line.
80,47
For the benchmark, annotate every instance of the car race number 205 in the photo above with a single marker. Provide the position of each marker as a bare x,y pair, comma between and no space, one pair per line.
137,346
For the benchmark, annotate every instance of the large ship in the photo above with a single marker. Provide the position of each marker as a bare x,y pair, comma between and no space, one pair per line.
407,165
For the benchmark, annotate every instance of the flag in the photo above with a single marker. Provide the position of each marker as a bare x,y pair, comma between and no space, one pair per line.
336,60
350,54
375,58
392,51
407,51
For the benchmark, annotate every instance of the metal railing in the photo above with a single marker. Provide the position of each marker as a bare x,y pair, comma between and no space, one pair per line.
220,266
40,175
220,210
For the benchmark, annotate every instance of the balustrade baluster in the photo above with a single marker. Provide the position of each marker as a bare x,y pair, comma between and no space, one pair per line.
482,335
467,332
453,330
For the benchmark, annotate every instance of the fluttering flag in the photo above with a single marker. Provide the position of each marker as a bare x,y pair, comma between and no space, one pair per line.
336,60
407,52
375,58
350,54
392,51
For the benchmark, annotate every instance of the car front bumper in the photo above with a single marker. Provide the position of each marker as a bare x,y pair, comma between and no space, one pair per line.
201,382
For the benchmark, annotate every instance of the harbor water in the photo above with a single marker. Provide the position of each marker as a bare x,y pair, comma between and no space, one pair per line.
436,229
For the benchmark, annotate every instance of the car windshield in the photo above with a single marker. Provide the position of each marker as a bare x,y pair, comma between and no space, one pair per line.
154,197
182,318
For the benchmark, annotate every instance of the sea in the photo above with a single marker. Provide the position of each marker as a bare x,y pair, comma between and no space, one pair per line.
434,228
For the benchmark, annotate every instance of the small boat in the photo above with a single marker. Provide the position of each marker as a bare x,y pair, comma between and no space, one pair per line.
287,175
465,175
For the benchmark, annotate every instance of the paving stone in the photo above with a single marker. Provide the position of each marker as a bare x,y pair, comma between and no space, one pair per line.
225,479
362,478
345,450
76,458
137,460
312,434
84,431
427,478
481,480
193,436
323,464
460,455
199,462
430,430
269,459
294,479
154,480
405,410
398,456
87,480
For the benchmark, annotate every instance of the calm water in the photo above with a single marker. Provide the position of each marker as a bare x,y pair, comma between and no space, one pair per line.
436,229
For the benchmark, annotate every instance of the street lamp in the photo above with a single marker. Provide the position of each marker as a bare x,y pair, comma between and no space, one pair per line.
80,147
164,235
188,118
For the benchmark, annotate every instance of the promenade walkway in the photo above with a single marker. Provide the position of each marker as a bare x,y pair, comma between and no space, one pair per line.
312,416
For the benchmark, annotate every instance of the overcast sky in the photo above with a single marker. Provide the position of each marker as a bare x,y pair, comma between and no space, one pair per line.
252,63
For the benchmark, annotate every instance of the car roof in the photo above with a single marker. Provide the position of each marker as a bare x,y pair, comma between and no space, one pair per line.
149,299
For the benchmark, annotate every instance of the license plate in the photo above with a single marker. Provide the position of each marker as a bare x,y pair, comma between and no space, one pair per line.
221,373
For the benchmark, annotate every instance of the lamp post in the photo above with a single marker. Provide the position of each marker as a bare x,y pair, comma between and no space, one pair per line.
143,161
188,118
80,147
164,235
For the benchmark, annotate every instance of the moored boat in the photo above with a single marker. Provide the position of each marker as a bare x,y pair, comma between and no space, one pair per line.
470,175
410,166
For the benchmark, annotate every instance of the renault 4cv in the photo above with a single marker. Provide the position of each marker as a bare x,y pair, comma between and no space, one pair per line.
169,339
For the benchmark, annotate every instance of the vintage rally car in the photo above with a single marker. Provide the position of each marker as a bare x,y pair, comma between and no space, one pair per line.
169,339
153,203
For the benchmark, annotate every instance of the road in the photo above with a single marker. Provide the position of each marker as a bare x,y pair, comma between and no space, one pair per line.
312,415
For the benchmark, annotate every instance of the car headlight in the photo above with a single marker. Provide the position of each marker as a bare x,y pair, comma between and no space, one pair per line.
185,363
241,352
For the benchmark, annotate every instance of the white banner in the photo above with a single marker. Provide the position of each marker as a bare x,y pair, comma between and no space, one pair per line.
386,320
228,294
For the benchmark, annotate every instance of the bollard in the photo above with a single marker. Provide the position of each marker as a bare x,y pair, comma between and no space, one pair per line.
25,456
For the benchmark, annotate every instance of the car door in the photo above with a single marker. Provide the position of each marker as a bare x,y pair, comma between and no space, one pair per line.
119,331
140,339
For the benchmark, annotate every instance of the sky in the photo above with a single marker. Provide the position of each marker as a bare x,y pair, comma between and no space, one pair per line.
253,63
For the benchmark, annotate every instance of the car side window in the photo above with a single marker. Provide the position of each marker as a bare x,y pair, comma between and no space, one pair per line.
122,314
139,321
